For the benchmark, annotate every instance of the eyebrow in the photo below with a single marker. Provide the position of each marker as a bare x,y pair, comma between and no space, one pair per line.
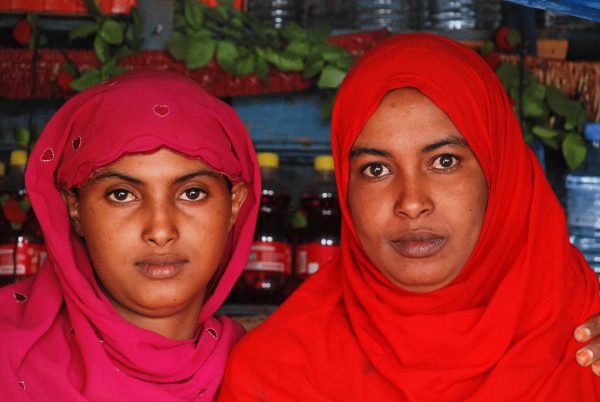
451,140
133,180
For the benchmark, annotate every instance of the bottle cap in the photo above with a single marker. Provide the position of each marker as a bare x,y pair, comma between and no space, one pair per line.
323,162
592,131
18,158
268,159
2,169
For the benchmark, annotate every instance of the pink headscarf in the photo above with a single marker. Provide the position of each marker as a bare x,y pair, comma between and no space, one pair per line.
62,338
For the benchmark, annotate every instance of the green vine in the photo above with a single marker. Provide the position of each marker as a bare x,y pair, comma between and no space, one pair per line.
113,40
242,45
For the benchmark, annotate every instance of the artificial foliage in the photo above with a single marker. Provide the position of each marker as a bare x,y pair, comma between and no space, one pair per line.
544,111
113,41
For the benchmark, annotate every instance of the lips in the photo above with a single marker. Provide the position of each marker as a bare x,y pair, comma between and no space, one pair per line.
418,244
160,266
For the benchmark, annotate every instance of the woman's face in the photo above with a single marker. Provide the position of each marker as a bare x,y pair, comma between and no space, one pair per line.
416,193
155,226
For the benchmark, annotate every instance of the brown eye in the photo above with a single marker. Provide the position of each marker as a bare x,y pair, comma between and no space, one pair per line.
445,162
121,195
375,170
193,194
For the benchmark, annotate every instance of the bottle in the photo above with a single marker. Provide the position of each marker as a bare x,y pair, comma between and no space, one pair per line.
22,250
319,241
269,266
583,200
452,15
395,15
277,12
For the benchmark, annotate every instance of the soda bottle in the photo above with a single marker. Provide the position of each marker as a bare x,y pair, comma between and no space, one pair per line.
319,241
270,262
22,250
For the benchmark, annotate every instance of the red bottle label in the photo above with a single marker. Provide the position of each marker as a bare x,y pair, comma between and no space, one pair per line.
312,256
30,258
270,256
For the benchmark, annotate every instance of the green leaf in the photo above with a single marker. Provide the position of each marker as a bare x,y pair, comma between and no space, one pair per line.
284,61
574,151
25,205
533,108
217,14
292,31
93,9
22,136
137,21
245,65
227,53
557,101
487,48
178,45
313,69
551,143
83,30
544,132
87,79
101,48
194,14
573,114
71,69
319,33
509,74
331,77
535,90
262,68
344,63
330,52
199,53
112,32
4,198
299,47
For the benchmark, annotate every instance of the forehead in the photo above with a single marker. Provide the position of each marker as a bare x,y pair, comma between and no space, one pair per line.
163,164
406,116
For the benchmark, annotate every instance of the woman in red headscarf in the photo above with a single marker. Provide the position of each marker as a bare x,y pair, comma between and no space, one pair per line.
146,189
456,280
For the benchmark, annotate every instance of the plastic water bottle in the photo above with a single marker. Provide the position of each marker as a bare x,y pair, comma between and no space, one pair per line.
583,200
277,12
395,15
452,15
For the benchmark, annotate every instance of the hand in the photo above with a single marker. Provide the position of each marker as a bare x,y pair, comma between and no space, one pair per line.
589,355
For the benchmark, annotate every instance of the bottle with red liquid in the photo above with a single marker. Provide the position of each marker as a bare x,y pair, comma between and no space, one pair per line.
269,267
319,240
22,250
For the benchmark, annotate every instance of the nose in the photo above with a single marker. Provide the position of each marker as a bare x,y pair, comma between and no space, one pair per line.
160,223
413,198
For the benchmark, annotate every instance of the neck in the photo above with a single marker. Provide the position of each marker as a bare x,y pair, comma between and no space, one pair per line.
179,325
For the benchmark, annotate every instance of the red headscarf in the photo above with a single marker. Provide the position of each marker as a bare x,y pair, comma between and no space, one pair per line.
62,338
501,331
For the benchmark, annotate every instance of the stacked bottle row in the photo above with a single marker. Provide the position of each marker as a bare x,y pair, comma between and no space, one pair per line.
583,200
286,251
22,250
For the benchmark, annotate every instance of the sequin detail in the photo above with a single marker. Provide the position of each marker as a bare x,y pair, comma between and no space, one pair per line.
161,110
109,83
212,332
47,155
76,143
20,297
202,392
22,384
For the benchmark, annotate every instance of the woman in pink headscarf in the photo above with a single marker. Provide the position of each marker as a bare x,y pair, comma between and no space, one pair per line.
147,191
